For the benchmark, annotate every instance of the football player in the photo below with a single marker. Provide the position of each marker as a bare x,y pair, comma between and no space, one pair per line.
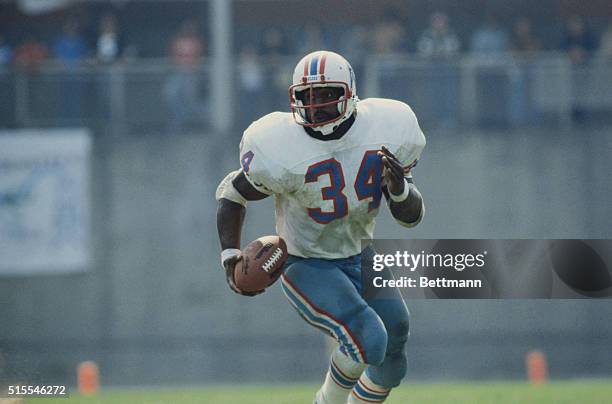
328,164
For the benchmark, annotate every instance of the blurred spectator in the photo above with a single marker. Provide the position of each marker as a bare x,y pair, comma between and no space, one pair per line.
388,35
489,45
605,46
524,43
523,39
490,38
187,47
30,54
440,44
70,49
438,41
6,52
181,90
70,46
7,97
579,44
353,44
253,94
108,45
577,41
108,51
274,48
312,40
273,43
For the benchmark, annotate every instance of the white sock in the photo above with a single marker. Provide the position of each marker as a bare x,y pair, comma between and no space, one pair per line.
341,377
366,392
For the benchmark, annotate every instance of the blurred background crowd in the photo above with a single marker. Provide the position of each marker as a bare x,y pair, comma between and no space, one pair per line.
107,32
450,61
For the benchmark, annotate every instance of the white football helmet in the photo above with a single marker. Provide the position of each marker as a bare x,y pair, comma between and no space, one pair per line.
323,69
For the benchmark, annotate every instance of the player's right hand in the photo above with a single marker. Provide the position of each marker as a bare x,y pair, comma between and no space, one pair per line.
229,265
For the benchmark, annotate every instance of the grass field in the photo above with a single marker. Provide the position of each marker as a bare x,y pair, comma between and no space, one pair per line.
573,392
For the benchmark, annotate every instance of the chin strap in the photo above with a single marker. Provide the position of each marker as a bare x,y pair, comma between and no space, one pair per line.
337,133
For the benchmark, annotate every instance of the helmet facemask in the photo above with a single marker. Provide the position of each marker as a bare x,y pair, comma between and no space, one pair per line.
304,109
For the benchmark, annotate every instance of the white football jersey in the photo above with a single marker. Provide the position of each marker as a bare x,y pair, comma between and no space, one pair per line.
328,192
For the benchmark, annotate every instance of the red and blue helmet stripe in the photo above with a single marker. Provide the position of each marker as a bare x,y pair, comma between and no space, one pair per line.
316,65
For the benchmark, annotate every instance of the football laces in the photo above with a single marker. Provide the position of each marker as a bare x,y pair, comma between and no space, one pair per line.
278,253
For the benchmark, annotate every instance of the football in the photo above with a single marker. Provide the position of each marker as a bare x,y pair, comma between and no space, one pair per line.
261,263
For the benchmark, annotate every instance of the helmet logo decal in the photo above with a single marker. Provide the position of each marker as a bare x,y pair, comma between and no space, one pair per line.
313,78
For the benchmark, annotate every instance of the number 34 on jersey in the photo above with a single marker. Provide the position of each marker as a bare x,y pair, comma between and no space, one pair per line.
367,185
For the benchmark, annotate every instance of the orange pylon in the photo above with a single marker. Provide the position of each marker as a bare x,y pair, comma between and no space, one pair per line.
537,368
88,377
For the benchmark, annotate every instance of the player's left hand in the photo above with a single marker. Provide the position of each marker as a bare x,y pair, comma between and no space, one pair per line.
393,171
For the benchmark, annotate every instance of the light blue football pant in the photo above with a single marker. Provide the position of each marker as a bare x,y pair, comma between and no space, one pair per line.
327,294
